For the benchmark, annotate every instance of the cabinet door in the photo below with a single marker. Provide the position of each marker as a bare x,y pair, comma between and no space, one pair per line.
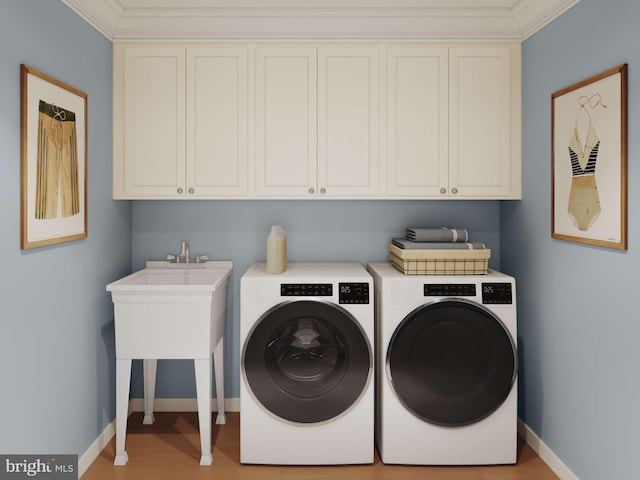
286,112
154,121
479,127
348,121
417,121
217,121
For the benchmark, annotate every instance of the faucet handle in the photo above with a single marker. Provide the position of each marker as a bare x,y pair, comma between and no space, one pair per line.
201,258
172,258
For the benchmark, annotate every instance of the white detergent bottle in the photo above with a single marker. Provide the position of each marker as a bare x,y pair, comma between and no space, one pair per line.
277,250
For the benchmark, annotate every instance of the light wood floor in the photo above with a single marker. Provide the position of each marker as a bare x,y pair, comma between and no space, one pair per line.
170,449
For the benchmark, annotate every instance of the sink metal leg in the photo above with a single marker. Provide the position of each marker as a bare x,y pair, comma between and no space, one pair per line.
203,392
218,363
123,377
150,368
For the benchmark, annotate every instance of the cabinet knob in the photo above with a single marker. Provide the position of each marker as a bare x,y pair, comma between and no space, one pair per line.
443,190
180,191
192,191
323,190
312,190
454,190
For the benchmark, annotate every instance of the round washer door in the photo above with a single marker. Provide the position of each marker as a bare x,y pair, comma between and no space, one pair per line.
307,361
451,362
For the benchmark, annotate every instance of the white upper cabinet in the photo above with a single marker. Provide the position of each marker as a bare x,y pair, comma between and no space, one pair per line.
480,122
152,132
317,121
417,121
453,122
286,111
217,140
180,122
348,121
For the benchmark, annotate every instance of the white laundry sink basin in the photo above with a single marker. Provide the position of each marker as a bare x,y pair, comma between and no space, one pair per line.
175,277
171,311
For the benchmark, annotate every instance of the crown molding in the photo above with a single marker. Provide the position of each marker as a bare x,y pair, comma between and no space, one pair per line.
103,15
427,20
532,15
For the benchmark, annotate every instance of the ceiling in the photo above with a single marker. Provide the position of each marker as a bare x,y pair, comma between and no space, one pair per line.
427,20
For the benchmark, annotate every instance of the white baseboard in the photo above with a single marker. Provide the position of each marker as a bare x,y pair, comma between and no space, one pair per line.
137,405
545,453
85,461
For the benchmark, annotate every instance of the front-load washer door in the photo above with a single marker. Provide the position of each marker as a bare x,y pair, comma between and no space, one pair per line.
451,362
307,361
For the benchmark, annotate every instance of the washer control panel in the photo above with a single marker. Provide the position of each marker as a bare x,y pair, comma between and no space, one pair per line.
306,289
449,289
353,293
496,294
348,293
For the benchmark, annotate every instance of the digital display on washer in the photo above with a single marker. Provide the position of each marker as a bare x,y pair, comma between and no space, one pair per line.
354,293
449,289
306,289
496,293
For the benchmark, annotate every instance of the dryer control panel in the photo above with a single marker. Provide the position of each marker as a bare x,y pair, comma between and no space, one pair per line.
449,289
492,293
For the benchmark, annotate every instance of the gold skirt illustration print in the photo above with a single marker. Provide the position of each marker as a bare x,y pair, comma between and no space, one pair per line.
57,189
584,202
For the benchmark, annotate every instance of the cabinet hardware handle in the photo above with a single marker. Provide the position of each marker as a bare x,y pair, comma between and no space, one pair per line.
180,190
311,190
454,190
192,191
443,190
323,190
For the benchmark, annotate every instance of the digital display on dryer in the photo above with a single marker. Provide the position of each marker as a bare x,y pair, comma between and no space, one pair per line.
496,294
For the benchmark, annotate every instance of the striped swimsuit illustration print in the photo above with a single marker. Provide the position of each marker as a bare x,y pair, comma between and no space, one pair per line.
584,202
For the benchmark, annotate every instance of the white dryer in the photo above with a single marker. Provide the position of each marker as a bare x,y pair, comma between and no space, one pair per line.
306,392
446,368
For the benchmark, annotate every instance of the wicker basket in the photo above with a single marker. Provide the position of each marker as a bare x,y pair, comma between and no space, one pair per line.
440,262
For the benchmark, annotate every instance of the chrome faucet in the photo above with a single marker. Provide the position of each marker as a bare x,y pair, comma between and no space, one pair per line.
185,255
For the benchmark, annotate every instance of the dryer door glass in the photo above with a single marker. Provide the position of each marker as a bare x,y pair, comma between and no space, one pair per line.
452,362
307,361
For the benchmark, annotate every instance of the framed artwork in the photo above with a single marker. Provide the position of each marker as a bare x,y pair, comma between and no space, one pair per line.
589,161
53,130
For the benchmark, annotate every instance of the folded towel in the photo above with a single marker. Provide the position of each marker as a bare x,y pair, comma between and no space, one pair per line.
411,245
435,234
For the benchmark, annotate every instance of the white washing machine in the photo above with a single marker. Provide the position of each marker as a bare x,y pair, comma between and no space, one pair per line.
306,392
446,386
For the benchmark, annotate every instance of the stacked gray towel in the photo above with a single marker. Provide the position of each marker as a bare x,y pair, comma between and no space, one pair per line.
411,245
437,234
437,238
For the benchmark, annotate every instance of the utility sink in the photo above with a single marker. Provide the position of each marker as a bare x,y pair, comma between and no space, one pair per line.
171,311
180,277
163,277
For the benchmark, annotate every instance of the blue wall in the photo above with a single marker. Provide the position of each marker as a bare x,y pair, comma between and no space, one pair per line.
324,230
56,320
578,310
